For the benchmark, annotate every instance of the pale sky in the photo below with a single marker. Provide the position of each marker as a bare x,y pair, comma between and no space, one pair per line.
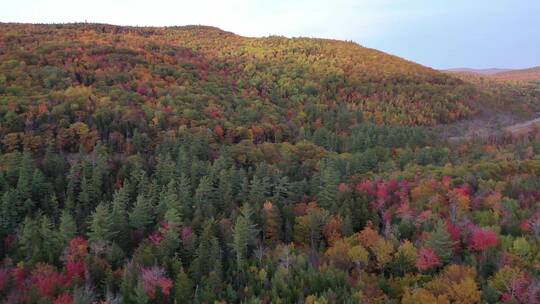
436,33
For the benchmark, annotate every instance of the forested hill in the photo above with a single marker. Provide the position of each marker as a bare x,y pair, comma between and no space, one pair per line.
203,76
192,165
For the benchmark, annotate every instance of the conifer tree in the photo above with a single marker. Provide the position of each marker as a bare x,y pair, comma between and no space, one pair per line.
51,242
327,196
68,227
244,234
100,228
183,290
206,253
441,242
30,240
141,215
204,198
24,181
118,216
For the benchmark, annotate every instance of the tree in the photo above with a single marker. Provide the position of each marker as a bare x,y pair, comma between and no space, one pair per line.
208,253
51,242
271,224
68,227
183,290
100,225
328,189
440,241
204,198
481,240
118,217
141,215
244,234
427,259
24,181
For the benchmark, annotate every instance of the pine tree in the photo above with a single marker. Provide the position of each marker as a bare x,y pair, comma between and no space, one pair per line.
68,228
51,242
204,197
118,217
183,291
207,253
225,190
30,240
244,235
257,191
441,242
185,196
40,188
281,190
169,200
164,169
73,186
100,225
9,212
141,215
327,196
85,203
24,181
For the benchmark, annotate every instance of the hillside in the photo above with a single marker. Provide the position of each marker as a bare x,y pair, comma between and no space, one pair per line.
524,75
192,165
186,73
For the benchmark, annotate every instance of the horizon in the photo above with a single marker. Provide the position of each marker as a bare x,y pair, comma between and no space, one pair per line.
488,35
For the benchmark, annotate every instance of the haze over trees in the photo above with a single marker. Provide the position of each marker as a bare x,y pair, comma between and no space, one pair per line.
192,165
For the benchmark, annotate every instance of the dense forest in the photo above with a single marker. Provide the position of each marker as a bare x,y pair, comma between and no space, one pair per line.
192,165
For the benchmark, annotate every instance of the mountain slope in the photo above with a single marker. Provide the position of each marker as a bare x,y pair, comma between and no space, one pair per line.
176,74
524,75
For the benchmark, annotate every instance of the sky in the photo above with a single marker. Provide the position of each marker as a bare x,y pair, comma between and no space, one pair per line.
437,33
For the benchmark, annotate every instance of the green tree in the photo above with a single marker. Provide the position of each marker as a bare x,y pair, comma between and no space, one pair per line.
118,216
244,235
441,242
141,215
68,227
183,289
327,196
204,197
100,224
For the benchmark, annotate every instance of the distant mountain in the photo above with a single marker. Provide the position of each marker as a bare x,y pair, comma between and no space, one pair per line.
493,71
527,75
531,74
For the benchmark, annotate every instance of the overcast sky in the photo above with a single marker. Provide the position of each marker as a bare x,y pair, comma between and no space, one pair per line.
436,33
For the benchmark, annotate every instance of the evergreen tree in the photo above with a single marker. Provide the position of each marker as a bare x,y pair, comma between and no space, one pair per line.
68,227
207,253
204,197
169,200
141,215
327,196
244,235
100,225
183,290
24,181
185,196
441,242
118,217
30,240
10,212
51,242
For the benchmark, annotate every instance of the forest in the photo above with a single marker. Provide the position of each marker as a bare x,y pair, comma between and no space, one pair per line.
192,165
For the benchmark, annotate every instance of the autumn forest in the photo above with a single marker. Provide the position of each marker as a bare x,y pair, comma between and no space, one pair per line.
193,165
